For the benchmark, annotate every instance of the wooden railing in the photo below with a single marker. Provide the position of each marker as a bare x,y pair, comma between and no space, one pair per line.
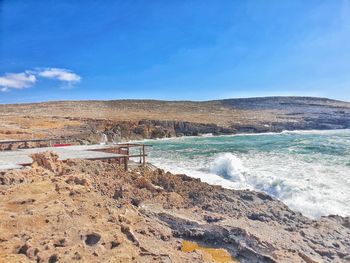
123,149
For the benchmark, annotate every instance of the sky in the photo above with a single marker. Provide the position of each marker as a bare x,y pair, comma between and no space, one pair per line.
173,50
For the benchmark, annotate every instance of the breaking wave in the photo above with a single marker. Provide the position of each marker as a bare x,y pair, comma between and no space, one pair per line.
229,167
308,171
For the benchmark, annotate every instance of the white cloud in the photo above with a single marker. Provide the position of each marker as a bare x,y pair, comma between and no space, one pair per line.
17,81
60,74
28,78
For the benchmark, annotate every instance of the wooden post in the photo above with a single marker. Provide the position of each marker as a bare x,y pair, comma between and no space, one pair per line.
143,155
126,163
140,156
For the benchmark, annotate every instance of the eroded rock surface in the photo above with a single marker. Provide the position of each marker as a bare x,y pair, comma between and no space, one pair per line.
94,211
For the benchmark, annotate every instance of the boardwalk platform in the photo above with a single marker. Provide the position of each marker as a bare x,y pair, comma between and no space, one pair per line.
18,158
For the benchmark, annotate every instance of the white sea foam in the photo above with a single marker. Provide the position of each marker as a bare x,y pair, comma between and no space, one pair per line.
229,167
207,135
207,177
320,132
311,174
104,139
286,132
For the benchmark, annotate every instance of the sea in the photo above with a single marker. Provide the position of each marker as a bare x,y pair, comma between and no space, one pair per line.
307,170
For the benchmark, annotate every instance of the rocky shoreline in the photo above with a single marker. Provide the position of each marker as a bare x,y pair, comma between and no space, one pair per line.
120,120
144,216
94,211
105,131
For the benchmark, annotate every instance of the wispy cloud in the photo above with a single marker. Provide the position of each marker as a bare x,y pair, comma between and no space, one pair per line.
28,78
17,81
60,74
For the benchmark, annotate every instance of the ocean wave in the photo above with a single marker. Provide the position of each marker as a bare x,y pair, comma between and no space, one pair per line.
284,132
308,173
229,167
315,132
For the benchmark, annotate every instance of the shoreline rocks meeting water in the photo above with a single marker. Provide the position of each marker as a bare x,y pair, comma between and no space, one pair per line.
94,211
144,215
122,120
125,136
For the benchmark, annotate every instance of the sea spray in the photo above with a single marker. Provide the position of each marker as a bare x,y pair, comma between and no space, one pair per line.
104,139
229,167
308,171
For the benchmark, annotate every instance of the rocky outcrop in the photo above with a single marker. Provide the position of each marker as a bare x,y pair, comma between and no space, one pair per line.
293,113
87,121
150,129
94,211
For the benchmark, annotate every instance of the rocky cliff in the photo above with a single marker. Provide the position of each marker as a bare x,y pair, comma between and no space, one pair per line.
94,211
137,119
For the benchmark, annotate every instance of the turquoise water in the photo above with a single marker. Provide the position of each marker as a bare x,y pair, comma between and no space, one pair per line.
309,171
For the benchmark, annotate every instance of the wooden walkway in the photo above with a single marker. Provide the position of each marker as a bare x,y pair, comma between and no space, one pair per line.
121,153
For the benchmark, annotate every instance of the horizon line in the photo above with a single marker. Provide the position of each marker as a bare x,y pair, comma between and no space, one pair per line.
176,100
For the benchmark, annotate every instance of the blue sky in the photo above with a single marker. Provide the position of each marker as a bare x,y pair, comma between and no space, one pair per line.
189,49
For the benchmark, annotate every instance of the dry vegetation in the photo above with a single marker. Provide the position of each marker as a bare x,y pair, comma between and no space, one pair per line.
56,118
26,127
202,112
